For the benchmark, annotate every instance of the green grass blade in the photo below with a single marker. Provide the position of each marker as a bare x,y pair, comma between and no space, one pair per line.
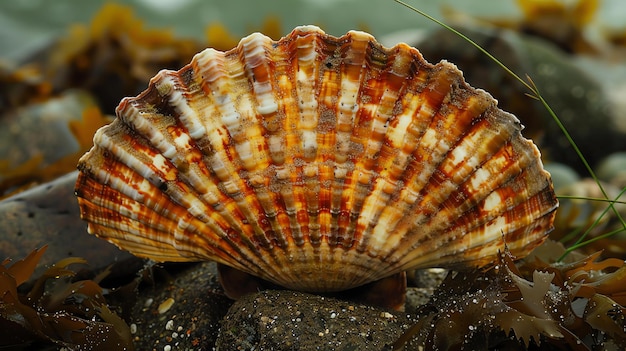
596,199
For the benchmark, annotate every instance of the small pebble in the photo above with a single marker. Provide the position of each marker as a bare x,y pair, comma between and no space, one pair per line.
166,305
386,315
169,325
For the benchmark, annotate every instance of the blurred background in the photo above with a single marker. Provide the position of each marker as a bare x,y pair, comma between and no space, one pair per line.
31,24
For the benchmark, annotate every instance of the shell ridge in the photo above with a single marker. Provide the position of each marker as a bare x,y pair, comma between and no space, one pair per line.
123,206
288,177
351,80
388,183
414,116
261,94
146,218
189,236
253,56
215,80
128,179
371,124
392,185
328,91
195,172
277,206
404,66
307,95
418,170
473,244
208,68
463,159
422,225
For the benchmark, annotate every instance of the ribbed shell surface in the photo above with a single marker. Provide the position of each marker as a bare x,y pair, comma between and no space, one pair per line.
315,162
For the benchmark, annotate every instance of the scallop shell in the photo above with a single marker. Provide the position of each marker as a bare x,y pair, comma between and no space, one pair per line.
317,163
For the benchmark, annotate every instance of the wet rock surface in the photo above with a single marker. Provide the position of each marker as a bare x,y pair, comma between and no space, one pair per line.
288,320
48,121
188,310
181,314
48,215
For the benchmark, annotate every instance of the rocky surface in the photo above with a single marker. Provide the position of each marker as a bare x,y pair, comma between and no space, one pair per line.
48,215
287,320
181,313
42,129
190,311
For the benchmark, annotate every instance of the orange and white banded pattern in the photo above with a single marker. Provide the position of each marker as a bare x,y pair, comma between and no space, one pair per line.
318,163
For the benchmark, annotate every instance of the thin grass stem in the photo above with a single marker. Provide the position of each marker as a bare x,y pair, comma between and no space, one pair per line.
597,199
579,242
583,243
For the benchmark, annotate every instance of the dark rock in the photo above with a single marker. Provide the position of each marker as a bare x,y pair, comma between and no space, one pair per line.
48,215
197,305
288,320
42,129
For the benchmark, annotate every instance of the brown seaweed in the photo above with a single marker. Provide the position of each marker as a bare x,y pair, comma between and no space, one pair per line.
538,303
56,310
